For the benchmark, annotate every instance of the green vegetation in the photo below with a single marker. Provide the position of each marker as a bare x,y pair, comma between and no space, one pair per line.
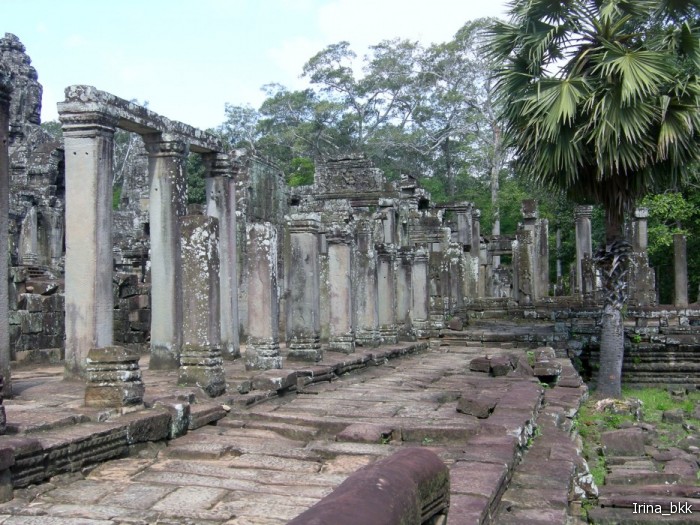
590,423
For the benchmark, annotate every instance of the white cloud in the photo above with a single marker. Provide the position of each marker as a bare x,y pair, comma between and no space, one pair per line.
75,41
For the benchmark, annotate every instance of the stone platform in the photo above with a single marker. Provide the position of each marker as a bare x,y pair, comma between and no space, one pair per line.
279,440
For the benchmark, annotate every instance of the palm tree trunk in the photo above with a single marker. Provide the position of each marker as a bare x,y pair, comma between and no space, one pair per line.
612,260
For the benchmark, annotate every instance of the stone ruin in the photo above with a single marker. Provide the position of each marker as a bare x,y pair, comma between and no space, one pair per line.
351,261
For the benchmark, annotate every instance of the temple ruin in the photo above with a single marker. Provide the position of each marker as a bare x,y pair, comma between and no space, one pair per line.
268,274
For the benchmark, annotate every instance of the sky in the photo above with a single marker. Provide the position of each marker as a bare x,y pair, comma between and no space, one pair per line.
187,59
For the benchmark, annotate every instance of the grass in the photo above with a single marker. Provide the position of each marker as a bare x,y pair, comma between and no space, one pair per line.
590,423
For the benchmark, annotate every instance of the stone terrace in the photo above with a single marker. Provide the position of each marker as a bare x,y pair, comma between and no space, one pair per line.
266,462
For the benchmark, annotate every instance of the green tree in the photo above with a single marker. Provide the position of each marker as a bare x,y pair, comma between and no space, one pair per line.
600,99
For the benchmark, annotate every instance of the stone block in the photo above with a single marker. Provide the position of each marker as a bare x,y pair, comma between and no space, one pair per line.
202,366
625,442
204,414
480,405
500,365
30,302
278,379
545,353
366,433
480,364
53,323
113,378
32,323
179,411
151,425
673,416
456,324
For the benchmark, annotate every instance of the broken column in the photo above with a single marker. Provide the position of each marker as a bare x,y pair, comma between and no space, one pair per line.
303,299
221,204
4,240
533,224
386,298
340,290
582,216
523,253
200,358
420,319
642,280
167,203
89,137
113,378
262,349
367,333
680,270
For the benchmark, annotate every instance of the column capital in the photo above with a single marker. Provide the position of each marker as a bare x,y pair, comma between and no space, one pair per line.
641,213
158,144
338,234
219,165
459,207
385,250
420,254
87,122
476,214
583,211
304,223
528,209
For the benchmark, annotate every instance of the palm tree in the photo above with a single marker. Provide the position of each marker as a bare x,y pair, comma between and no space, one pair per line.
601,100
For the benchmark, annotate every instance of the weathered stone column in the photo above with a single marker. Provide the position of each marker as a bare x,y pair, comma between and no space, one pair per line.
200,359
89,148
221,204
404,278
523,276
464,220
639,229
168,201
420,313
4,240
263,349
303,283
582,216
367,333
475,283
542,257
340,290
680,270
55,219
386,296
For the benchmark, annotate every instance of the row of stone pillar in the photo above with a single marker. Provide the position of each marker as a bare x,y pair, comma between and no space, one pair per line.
204,289
368,300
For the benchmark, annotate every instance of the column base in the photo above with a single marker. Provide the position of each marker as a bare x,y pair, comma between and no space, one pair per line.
342,343
113,378
202,366
421,328
305,349
389,334
368,338
262,354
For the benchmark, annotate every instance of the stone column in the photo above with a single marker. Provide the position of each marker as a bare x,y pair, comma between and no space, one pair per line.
475,282
263,349
89,147
367,333
386,296
531,219
639,230
4,237
303,300
465,227
680,270
168,202
403,292
221,204
340,290
542,257
582,215
523,276
200,359
420,314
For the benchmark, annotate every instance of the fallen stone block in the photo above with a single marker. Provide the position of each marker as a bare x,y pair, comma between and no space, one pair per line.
414,480
480,364
204,414
480,406
500,366
366,433
625,442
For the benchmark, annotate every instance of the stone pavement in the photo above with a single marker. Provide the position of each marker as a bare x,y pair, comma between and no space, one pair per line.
289,438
